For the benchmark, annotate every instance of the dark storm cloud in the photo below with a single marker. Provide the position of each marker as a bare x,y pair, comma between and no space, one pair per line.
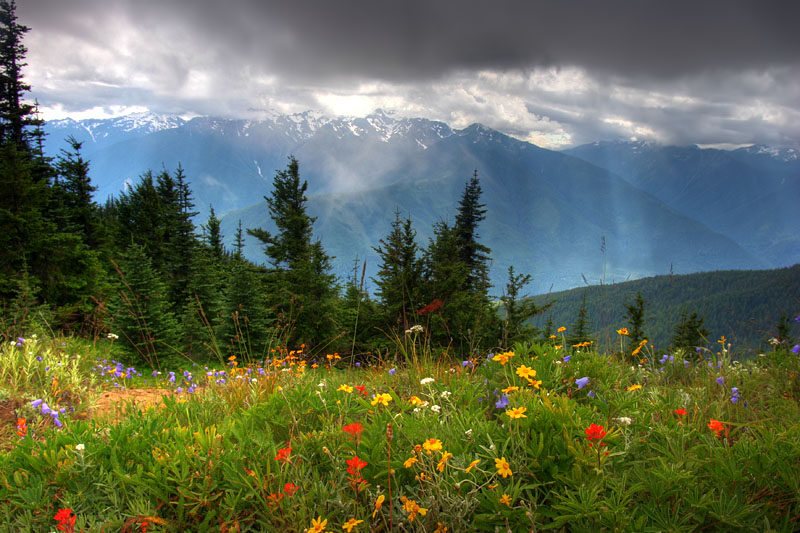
734,64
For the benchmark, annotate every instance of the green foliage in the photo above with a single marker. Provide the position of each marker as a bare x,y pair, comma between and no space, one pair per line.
140,309
269,452
301,269
744,306
689,331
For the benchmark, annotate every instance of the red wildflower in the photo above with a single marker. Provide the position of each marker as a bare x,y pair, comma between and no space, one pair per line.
144,526
283,454
290,489
716,426
431,307
362,389
355,465
22,427
274,499
680,412
354,430
595,432
65,519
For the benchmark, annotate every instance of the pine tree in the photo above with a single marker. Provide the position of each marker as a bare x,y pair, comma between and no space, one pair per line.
140,310
399,274
689,333
301,268
15,115
213,235
73,192
580,331
518,311
473,254
635,313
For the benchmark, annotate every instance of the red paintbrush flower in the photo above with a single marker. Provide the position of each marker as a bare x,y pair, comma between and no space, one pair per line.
354,430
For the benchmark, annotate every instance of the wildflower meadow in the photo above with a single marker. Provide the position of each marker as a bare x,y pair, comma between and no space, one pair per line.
534,437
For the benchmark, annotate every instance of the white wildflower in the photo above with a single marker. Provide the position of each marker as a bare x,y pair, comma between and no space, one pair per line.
446,393
468,432
623,420
425,381
415,329
80,447
435,408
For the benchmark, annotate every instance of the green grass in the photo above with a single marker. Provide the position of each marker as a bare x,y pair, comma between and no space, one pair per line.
210,460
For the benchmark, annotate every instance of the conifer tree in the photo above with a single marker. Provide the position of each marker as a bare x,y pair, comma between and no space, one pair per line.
472,253
635,313
518,311
140,310
15,114
399,274
73,190
689,332
213,235
580,331
301,268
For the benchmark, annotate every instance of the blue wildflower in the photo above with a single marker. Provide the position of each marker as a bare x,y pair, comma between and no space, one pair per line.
36,403
582,382
796,349
591,394
720,380
392,371
502,403
567,358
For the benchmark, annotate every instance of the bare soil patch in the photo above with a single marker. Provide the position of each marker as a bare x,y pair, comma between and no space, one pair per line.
112,403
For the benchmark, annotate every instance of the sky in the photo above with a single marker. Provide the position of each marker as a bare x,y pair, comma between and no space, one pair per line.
557,73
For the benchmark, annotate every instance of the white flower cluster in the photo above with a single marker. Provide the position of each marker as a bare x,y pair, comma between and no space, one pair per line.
415,329
425,381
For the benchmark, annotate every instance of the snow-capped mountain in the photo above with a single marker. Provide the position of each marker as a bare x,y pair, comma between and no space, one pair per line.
699,209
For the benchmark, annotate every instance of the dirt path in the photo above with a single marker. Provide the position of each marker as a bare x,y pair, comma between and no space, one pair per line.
111,403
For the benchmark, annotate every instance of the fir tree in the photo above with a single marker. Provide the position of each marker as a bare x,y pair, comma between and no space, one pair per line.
15,115
399,274
73,192
213,235
580,330
689,333
518,311
473,254
635,313
141,312
301,267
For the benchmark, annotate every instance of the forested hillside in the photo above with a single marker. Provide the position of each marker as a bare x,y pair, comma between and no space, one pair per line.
744,306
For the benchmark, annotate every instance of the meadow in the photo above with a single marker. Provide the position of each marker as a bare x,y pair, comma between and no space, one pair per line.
537,437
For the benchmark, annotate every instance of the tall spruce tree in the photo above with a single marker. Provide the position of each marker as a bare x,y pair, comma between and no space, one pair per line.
472,253
689,333
16,115
580,331
399,274
518,311
301,268
635,313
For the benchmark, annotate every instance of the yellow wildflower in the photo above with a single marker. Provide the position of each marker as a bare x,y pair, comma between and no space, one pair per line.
503,358
472,465
346,388
510,389
410,461
378,504
317,525
517,412
503,468
634,387
350,524
443,460
432,445
623,331
506,499
383,399
562,329
526,372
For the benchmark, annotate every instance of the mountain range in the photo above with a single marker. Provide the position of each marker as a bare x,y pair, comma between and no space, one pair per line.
596,213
